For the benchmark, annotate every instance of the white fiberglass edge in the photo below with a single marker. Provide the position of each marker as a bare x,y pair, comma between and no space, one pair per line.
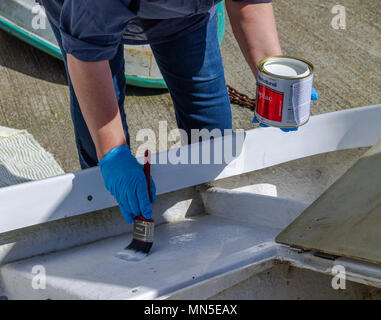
77,193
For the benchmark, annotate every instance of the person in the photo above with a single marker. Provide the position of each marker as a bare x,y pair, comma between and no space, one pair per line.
183,39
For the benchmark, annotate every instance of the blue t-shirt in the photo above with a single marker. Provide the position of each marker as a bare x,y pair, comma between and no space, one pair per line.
92,30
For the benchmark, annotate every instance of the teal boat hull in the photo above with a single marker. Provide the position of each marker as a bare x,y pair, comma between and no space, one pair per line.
141,68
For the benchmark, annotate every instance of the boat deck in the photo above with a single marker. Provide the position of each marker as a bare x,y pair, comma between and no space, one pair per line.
184,253
200,257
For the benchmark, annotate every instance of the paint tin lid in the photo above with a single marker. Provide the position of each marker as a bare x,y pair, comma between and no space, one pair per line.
285,67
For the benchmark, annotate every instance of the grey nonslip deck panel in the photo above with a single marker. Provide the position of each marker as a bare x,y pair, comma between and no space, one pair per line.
346,219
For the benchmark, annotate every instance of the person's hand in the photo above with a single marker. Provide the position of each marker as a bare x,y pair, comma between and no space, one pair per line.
124,178
314,97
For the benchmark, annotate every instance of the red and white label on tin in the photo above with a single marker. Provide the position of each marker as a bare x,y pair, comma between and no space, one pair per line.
269,103
301,100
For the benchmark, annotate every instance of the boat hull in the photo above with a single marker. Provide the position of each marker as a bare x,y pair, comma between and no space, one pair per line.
141,69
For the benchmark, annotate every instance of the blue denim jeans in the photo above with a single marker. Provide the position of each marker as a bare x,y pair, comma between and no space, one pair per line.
192,69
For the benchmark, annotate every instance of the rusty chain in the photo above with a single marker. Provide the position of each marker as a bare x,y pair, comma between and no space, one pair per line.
240,99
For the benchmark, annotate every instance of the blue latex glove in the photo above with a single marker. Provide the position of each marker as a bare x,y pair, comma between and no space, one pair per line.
314,97
124,178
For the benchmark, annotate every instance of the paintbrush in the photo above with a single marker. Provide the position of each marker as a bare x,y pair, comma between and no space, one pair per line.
142,240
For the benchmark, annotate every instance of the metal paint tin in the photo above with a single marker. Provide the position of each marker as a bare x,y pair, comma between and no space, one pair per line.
284,91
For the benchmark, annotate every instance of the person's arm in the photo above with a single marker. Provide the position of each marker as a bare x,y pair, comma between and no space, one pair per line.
123,175
94,88
254,28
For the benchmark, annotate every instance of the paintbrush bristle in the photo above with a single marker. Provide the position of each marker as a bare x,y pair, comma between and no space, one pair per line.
135,251
140,246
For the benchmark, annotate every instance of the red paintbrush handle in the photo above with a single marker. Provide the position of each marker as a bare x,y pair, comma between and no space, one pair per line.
147,171
143,219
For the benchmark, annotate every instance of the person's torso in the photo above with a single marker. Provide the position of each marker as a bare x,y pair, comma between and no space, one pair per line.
152,20
169,9
144,9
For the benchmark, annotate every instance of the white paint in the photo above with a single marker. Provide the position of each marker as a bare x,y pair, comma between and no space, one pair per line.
78,230
287,67
250,208
265,189
131,255
92,271
67,195
195,258
218,253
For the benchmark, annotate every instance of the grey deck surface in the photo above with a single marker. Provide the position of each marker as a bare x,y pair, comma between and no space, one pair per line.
345,221
34,95
192,254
